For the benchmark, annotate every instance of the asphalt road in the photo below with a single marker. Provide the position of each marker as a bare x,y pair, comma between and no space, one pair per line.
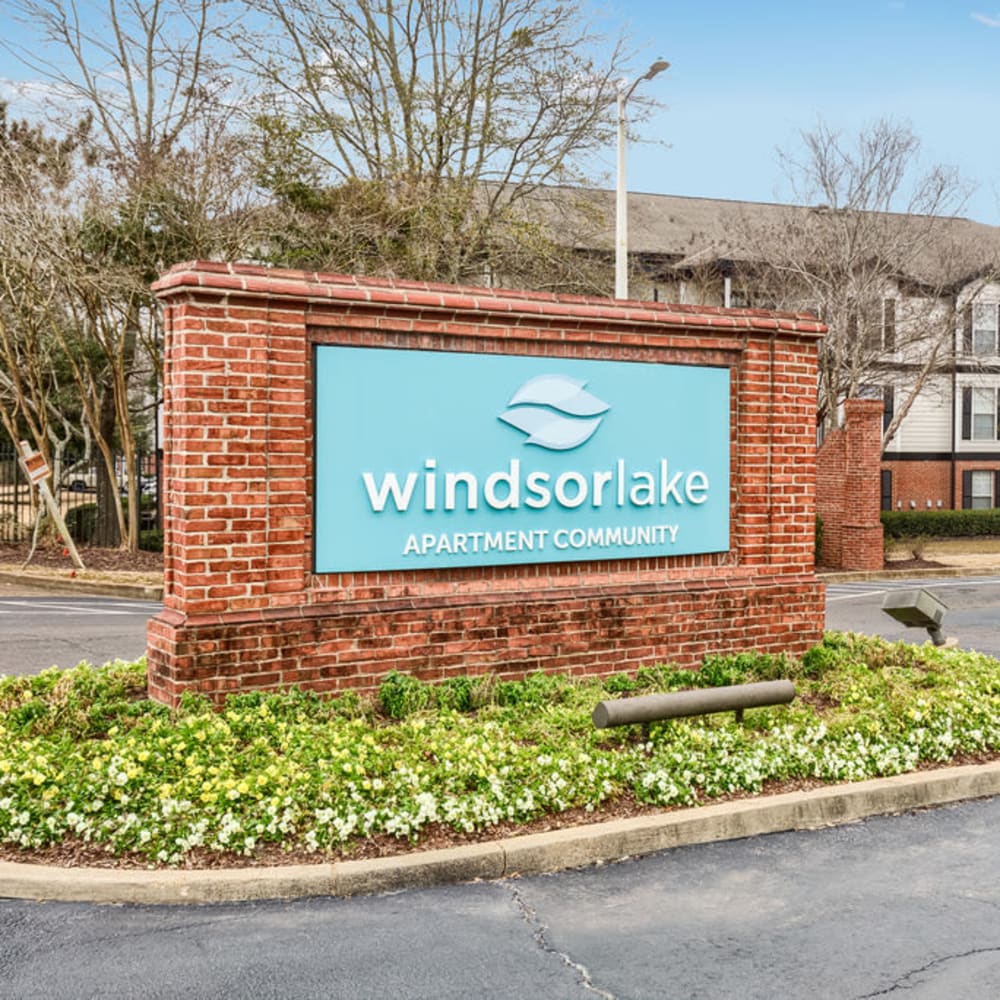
902,906
42,631
973,615
39,631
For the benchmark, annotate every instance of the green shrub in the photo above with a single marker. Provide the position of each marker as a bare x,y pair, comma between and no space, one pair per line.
940,523
400,695
828,655
536,689
455,693
80,704
621,684
151,540
81,523
741,668
664,677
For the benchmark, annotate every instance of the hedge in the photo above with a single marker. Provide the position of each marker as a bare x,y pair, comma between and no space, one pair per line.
940,523
81,522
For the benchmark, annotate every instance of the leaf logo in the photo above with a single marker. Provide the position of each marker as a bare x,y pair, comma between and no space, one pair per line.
555,411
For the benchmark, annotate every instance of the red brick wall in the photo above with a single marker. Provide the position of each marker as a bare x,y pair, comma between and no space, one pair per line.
914,483
848,489
242,607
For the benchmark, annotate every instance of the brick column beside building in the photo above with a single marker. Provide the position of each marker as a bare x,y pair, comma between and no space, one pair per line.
243,608
848,489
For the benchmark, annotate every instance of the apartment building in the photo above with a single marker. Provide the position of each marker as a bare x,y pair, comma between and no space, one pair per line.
912,302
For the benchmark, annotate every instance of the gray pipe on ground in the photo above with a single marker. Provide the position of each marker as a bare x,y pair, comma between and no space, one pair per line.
703,701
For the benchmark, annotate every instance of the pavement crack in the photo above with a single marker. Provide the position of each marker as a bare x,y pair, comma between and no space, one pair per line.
538,933
904,982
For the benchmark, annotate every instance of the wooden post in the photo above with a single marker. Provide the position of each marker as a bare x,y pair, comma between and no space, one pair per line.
37,470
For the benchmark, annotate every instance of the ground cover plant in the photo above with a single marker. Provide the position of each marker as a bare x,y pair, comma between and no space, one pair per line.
85,758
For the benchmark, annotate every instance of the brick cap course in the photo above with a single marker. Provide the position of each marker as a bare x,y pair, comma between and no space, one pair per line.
646,589
209,277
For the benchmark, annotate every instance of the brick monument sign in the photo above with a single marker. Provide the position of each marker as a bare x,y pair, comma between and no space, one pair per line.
363,476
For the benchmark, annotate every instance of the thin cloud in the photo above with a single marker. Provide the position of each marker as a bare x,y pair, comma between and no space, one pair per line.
35,91
990,22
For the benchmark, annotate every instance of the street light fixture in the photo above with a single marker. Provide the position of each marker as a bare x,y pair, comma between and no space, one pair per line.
621,192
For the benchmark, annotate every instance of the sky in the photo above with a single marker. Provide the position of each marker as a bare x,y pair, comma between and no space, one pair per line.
748,76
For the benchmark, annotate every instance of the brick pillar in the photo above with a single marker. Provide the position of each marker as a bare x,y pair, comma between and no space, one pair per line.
848,489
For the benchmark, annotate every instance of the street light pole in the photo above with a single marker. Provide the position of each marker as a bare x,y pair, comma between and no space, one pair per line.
621,190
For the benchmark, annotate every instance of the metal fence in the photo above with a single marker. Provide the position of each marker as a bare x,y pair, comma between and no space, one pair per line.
77,495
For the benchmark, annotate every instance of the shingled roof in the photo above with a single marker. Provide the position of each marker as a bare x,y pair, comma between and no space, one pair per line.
690,232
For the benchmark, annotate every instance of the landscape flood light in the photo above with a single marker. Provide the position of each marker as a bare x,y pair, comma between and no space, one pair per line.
917,609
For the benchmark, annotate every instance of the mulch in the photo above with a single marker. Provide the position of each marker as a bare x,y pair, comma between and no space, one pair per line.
102,560
912,564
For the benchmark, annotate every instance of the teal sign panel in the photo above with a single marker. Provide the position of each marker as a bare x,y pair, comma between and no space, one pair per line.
432,459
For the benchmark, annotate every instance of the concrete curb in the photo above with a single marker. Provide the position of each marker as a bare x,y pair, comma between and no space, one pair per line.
531,854
857,576
67,586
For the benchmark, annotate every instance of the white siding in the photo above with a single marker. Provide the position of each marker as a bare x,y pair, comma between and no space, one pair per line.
927,425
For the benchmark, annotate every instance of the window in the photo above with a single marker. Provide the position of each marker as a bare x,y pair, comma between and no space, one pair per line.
886,490
877,323
888,324
981,328
888,396
888,406
984,415
980,420
852,324
979,489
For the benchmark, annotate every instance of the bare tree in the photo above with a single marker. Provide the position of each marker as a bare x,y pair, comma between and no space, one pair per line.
166,181
872,246
142,68
37,400
416,127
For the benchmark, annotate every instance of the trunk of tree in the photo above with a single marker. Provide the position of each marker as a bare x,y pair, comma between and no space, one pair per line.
108,533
